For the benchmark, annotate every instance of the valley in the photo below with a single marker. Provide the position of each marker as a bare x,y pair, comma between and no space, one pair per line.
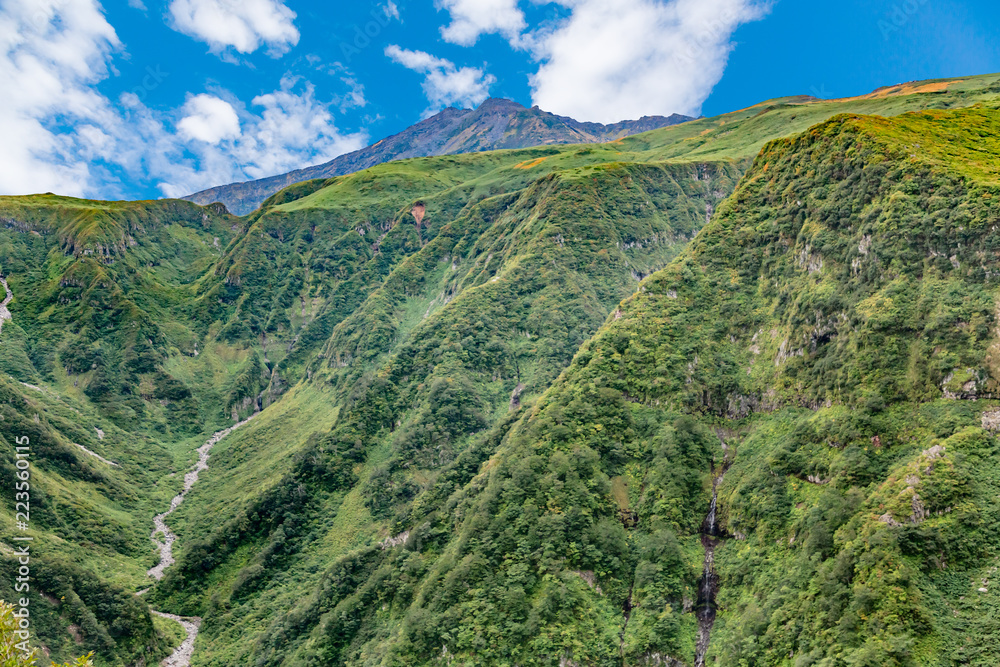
160,527
181,657
714,394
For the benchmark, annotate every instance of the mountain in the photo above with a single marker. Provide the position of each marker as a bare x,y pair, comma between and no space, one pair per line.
723,392
496,124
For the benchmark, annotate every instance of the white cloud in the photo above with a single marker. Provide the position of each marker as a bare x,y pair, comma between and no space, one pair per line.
444,83
244,25
290,129
612,60
472,18
62,135
51,53
355,96
209,119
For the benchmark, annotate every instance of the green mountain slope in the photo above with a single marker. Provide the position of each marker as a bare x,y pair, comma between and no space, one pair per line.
842,382
449,465
409,439
510,325
857,518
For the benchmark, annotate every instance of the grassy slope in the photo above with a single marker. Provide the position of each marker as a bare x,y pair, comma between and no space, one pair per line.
877,561
527,279
92,280
100,289
86,517
379,332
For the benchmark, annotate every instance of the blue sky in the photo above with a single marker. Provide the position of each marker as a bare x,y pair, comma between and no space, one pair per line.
152,98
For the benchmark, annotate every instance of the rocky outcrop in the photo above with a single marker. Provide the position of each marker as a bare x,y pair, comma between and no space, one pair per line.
4,313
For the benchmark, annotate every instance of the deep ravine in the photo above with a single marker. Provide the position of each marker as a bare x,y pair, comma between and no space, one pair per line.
708,586
627,613
190,479
181,657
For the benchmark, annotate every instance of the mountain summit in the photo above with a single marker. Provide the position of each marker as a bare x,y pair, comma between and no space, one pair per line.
498,123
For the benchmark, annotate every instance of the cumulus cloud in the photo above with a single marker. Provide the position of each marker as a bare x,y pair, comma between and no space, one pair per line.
62,135
610,60
210,119
283,130
472,18
444,83
617,59
52,52
219,140
244,25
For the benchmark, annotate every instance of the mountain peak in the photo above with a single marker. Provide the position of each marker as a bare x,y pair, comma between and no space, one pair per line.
498,123
500,104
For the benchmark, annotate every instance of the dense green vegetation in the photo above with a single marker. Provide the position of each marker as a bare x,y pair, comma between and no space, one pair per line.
11,654
495,389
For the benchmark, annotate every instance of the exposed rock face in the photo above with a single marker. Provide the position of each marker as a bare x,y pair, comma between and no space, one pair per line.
991,420
4,313
418,212
496,124
515,397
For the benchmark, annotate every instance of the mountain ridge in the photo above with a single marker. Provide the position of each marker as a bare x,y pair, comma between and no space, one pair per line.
497,123
494,393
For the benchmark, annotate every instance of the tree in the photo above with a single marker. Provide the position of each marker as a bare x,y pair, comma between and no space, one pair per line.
10,653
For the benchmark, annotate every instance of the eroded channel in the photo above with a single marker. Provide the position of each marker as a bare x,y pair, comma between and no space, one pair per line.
711,537
181,657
